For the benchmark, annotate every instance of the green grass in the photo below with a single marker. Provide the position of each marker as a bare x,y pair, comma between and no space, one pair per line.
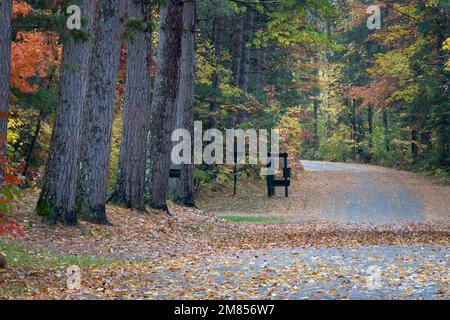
17,255
244,219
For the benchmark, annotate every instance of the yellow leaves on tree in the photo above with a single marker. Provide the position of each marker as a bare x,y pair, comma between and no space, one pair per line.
291,133
33,54
446,46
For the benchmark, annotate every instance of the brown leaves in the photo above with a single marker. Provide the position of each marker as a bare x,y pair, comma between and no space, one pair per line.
193,254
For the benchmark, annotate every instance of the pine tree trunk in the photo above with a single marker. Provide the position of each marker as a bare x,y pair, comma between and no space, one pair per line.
354,130
57,198
34,140
237,49
414,145
5,68
386,130
183,188
236,57
131,176
164,101
261,62
360,135
370,123
246,50
315,122
245,61
36,134
218,46
261,71
426,140
100,112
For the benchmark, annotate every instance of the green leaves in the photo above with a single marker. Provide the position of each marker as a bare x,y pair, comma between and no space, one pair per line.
43,100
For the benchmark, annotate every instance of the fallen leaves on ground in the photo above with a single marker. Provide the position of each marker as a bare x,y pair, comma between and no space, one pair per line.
160,256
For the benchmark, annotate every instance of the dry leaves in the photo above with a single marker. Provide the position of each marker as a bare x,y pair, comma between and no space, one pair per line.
193,254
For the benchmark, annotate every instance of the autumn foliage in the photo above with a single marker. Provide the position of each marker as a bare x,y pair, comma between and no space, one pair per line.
32,54
20,8
26,62
376,93
8,192
447,48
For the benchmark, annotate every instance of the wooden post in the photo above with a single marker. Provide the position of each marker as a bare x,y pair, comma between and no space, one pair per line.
286,191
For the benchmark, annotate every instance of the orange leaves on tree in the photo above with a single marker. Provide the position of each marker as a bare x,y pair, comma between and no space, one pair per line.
12,179
376,93
32,55
20,8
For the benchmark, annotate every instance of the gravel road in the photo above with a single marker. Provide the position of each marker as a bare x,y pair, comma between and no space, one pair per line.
367,198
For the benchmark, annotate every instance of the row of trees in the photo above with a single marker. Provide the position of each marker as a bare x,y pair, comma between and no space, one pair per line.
106,72
77,169
97,106
76,179
385,98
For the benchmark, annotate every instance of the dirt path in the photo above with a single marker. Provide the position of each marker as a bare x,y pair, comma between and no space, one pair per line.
363,193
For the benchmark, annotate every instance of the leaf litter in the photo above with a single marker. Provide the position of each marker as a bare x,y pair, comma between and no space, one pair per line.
195,255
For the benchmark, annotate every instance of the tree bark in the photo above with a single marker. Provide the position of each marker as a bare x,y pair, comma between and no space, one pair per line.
100,112
414,145
183,187
360,135
131,174
261,71
426,140
30,151
164,101
261,62
237,49
246,50
245,61
5,69
354,130
36,134
370,124
386,130
57,198
315,122
218,46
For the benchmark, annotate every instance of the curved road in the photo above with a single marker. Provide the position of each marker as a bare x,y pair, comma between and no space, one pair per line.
367,194
343,192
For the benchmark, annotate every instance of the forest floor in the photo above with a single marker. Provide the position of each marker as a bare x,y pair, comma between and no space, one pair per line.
347,231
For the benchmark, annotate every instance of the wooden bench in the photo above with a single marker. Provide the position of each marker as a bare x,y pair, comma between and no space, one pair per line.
273,183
